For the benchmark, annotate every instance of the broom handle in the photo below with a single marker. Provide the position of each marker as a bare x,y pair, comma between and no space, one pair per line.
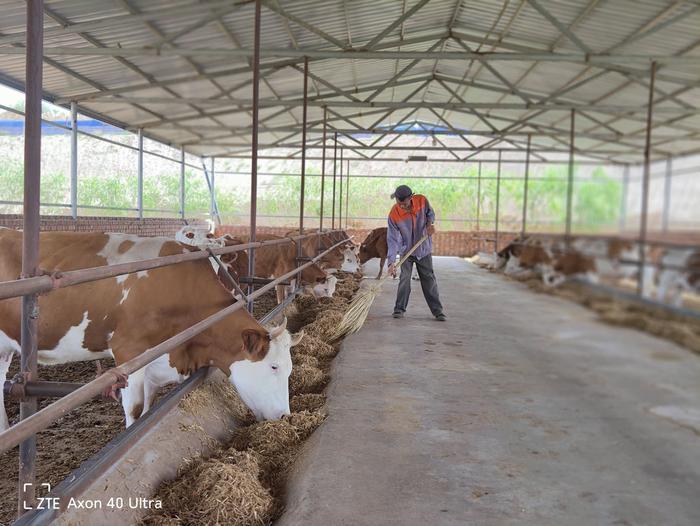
408,254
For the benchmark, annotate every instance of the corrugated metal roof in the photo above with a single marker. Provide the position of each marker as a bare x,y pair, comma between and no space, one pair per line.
150,86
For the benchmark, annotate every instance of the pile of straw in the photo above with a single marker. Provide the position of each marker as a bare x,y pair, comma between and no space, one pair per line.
225,489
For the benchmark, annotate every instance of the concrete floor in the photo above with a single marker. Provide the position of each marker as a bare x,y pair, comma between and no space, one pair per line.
521,409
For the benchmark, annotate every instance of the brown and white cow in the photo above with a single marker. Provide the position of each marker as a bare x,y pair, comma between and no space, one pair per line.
375,246
678,272
276,260
125,315
343,257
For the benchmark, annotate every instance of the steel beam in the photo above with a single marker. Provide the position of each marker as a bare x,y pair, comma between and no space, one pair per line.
525,188
335,168
478,196
340,200
182,182
74,160
212,193
323,171
30,241
254,149
668,179
139,175
570,181
623,199
498,202
303,159
645,184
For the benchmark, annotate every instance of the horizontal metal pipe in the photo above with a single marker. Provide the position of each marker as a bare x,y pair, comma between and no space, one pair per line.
354,54
41,388
20,287
48,415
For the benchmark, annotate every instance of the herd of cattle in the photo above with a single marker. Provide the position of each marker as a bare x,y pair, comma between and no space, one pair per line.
666,273
122,317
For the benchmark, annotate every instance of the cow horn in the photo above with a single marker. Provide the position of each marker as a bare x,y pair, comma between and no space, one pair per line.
277,331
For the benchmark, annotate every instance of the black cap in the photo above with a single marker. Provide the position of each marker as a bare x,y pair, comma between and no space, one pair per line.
402,192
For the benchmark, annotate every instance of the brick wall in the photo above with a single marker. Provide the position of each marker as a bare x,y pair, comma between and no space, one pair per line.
450,243
126,225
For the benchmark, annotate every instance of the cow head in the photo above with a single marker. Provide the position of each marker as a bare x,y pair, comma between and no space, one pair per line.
350,262
263,382
365,253
325,289
313,274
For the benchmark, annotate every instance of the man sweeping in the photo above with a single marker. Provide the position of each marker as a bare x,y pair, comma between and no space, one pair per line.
409,220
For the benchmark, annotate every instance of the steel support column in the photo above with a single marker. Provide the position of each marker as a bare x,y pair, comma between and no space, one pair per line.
525,187
74,160
212,194
300,252
323,178
498,201
335,167
347,193
139,174
667,195
182,182
623,201
254,148
570,180
478,197
645,185
30,239
340,198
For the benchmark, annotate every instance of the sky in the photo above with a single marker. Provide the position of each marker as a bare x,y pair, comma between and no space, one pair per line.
9,97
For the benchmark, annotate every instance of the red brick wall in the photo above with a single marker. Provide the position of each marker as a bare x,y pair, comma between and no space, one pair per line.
450,243
126,225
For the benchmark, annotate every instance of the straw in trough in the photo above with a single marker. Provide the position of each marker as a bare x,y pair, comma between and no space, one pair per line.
359,307
312,346
307,402
221,490
306,378
325,325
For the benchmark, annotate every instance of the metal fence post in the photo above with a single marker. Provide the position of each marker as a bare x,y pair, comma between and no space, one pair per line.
30,239
139,196
74,160
645,185
254,149
667,194
498,199
182,182
623,201
570,180
525,186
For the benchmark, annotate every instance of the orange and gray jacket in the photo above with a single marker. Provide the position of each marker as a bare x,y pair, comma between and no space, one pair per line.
405,228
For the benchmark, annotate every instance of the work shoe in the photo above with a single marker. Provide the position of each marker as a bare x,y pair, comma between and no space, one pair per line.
441,317
398,314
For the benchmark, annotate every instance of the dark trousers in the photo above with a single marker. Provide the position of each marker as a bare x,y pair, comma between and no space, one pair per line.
427,282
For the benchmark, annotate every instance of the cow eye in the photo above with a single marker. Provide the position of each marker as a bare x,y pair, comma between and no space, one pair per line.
275,366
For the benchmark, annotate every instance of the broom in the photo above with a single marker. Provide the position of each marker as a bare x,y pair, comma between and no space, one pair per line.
357,312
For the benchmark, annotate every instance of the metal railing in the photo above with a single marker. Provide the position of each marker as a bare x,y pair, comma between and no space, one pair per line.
28,427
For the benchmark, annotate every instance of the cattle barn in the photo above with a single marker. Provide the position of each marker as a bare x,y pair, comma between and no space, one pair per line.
202,316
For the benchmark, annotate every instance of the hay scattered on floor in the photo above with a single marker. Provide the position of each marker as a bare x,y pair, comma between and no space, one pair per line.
307,402
684,331
221,490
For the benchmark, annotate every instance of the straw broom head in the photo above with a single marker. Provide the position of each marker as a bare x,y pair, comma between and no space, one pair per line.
359,307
